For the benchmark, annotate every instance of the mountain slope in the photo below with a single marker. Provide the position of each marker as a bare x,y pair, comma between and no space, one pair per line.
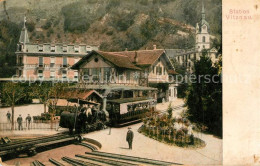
113,24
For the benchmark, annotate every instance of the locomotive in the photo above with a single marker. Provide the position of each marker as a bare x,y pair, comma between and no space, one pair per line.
88,118
83,120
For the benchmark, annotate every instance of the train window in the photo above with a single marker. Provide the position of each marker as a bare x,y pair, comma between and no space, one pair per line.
117,108
109,106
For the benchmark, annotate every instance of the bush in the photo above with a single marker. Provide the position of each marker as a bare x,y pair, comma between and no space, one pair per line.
30,26
47,25
49,32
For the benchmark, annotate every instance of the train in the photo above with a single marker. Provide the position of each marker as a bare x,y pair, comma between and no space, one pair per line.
90,117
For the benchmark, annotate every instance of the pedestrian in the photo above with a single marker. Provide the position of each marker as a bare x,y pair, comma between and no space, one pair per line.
20,121
130,137
28,119
8,115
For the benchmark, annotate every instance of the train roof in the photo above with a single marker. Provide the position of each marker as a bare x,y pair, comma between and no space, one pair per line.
131,100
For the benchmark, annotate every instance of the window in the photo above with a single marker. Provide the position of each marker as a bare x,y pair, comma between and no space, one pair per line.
128,75
20,60
203,46
165,71
52,48
95,74
204,39
40,48
107,74
65,62
153,69
52,74
40,61
216,56
159,70
40,73
20,73
52,61
76,48
64,73
76,75
64,48
85,74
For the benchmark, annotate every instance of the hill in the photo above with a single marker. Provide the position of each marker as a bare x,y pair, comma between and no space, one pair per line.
112,24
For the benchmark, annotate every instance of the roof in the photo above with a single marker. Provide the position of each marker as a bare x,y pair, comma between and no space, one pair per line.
128,100
144,57
24,36
113,87
59,49
79,94
127,59
120,60
172,72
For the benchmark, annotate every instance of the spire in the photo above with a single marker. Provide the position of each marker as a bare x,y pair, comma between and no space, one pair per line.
24,38
203,12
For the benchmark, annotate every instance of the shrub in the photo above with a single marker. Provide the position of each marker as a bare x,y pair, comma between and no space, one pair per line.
30,26
47,25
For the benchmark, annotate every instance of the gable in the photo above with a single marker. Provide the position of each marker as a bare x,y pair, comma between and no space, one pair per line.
94,61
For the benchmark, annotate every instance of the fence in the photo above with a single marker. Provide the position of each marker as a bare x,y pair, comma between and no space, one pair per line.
32,126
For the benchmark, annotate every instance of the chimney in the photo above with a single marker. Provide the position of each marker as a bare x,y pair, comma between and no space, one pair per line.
154,47
136,58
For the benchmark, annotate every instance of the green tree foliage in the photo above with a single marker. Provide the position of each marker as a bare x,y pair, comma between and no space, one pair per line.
30,25
12,93
47,25
9,37
121,21
42,92
204,97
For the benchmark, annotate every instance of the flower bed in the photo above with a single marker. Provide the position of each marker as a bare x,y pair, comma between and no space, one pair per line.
164,128
187,141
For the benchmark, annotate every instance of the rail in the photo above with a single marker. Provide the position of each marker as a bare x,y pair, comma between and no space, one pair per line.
131,158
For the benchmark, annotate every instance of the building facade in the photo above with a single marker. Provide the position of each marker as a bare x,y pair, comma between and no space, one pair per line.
187,57
127,74
202,32
48,61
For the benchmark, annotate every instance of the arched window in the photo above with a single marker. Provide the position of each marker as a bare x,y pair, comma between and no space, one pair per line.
203,39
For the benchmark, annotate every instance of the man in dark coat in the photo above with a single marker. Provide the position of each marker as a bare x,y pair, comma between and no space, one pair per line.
20,121
28,119
8,116
130,137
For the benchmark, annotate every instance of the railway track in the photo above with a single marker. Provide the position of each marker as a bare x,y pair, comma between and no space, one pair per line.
131,158
30,146
97,158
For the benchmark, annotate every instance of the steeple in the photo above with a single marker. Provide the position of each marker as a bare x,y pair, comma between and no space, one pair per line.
24,38
203,16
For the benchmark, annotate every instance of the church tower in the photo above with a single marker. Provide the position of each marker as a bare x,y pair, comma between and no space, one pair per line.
202,32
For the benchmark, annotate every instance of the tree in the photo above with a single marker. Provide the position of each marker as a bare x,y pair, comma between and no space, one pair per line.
55,94
204,97
12,93
42,92
169,110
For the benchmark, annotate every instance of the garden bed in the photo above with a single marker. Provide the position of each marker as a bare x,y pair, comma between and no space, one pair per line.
173,139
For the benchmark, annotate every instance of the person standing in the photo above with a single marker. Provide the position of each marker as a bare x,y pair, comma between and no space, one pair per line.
130,137
28,119
8,115
20,121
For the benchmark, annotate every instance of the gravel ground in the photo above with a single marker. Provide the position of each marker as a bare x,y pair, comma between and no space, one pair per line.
146,147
